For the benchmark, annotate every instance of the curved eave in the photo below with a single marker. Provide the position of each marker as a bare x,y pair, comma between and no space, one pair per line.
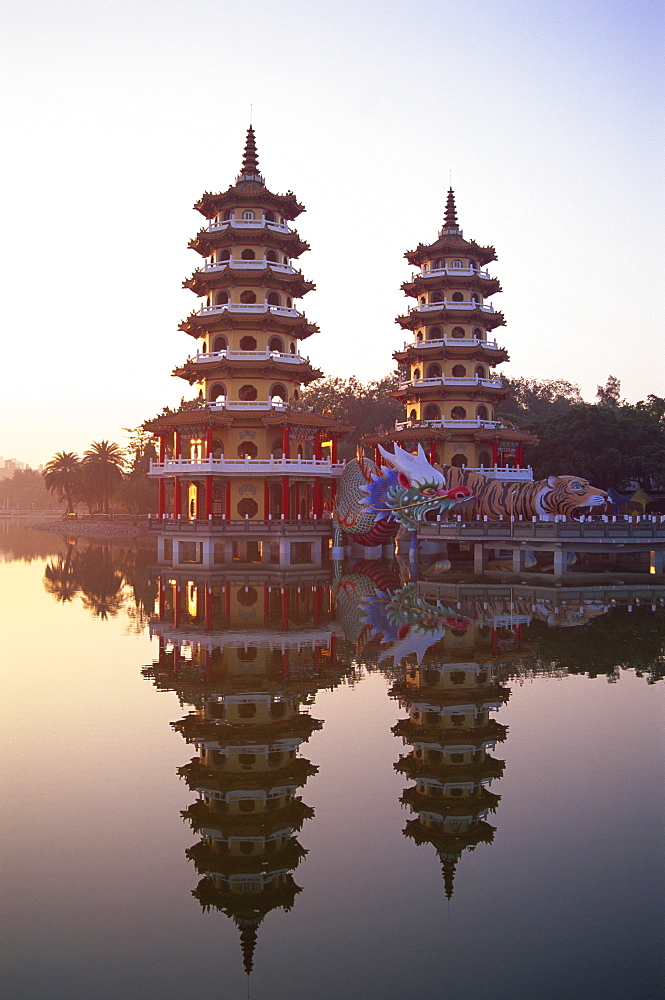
451,392
410,435
466,349
205,241
196,325
451,243
303,374
505,434
420,285
199,417
304,419
201,282
249,193
416,318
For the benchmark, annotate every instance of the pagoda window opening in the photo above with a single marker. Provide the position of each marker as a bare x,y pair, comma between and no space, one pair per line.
473,264
285,259
218,448
422,300
273,299
477,333
226,216
437,297
481,413
296,394
459,371
434,371
271,255
223,255
458,413
221,298
247,393
247,297
275,758
484,460
248,343
248,255
248,215
300,452
278,393
416,374
458,332
276,344
246,710
439,265
458,297
269,216
219,344
247,449
435,333
276,448
419,336
459,461
432,412
292,348
475,298
217,393
246,805
480,371
457,263
289,303
413,415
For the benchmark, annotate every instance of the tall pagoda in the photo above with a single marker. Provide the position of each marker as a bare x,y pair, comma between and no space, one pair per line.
244,447
452,389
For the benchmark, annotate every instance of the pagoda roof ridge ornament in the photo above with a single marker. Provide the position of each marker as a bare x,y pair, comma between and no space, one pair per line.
450,224
250,161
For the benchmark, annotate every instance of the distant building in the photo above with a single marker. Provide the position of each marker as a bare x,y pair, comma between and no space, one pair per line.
8,466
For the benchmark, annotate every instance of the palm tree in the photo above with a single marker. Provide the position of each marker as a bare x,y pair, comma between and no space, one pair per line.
104,464
62,476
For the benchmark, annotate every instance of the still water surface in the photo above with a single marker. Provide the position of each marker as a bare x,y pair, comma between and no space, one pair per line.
303,787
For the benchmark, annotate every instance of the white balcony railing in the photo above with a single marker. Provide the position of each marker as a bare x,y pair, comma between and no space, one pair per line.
247,307
292,359
279,227
450,424
453,342
437,272
485,307
247,466
248,265
489,383
242,404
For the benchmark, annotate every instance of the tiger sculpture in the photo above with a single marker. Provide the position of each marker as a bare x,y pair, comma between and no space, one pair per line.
494,498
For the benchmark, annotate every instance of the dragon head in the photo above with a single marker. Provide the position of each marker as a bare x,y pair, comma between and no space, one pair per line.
411,489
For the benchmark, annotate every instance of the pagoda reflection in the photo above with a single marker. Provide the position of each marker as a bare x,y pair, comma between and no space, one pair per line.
248,655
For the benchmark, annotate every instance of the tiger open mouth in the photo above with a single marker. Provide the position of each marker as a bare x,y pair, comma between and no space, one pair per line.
594,506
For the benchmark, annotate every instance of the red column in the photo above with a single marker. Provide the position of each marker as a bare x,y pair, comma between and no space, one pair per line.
285,443
519,456
207,608
208,497
432,452
285,496
495,452
377,456
176,445
161,488
208,442
318,498
162,447
177,505
227,604
227,500
266,500
333,650
177,606
334,448
317,597
285,610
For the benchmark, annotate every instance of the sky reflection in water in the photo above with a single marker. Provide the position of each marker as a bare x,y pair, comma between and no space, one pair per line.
483,819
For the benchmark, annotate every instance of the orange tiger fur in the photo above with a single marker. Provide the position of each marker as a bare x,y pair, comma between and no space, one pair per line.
546,497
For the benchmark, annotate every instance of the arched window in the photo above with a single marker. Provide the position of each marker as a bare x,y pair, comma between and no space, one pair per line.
226,215
247,393
276,448
437,297
248,215
247,449
221,298
458,297
271,255
273,299
248,255
475,298
477,333
296,394
416,374
432,412
270,216
247,297
285,259
412,415
204,348
480,371
434,371
481,412
435,333
474,264
224,254
292,347
217,393
422,300
278,393
419,336
459,461
219,344
248,343
289,303
484,460
458,413
459,371
246,710
439,264
276,344
458,332
457,263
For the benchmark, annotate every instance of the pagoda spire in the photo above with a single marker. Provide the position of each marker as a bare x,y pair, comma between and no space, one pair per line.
250,160
450,218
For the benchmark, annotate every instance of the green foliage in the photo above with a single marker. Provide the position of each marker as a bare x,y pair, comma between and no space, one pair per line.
25,490
138,493
102,465
62,476
367,407
532,400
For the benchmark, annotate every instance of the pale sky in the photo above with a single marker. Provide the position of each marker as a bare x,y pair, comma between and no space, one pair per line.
117,115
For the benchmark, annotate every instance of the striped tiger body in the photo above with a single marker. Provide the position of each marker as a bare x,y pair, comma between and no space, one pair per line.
494,498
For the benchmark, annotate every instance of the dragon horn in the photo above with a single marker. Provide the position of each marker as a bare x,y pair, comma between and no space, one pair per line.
415,467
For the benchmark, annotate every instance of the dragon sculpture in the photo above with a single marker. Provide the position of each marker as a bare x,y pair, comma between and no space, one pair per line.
372,502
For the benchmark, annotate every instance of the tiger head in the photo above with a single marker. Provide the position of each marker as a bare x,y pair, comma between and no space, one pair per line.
567,494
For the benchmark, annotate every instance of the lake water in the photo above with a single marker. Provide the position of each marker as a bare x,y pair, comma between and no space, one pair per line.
295,786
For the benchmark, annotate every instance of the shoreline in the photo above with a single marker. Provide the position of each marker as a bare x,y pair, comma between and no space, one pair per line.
73,528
